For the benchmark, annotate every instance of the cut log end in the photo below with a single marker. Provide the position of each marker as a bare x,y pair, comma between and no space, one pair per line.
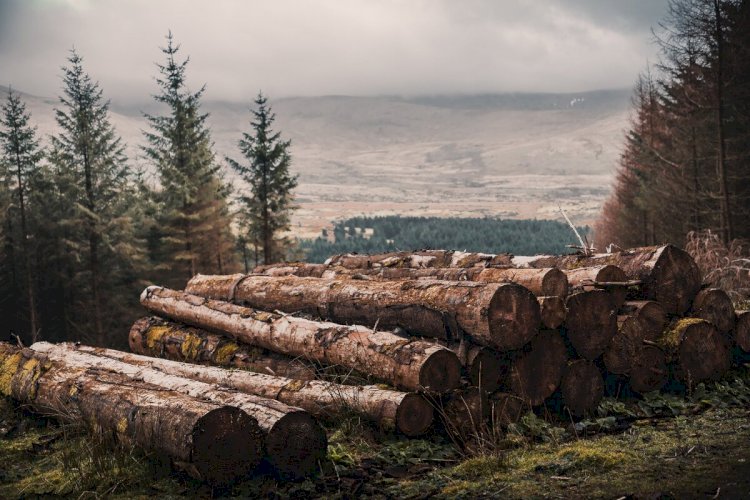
536,372
414,415
486,369
742,330
613,274
675,280
506,409
465,412
225,441
295,445
555,283
582,387
441,372
553,311
513,317
715,306
649,371
591,322
703,354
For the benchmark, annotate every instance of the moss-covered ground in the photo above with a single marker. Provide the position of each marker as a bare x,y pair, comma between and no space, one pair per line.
661,446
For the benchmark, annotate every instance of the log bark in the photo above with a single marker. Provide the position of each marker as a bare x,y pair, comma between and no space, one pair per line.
407,412
212,441
715,306
696,349
669,275
301,269
294,442
420,259
506,409
552,311
534,372
152,336
741,332
591,322
500,315
410,364
643,324
582,387
597,277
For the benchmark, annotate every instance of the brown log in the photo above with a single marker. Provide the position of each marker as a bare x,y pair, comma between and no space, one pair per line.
591,322
410,364
553,311
500,315
643,324
649,371
592,278
741,332
157,337
419,259
582,387
213,441
506,409
302,269
294,441
485,367
696,349
715,306
668,275
408,412
465,412
535,371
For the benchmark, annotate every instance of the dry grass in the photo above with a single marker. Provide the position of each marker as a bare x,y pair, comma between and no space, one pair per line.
722,266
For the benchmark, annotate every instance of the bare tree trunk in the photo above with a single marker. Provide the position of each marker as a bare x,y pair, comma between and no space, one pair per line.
294,442
25,249
212,441
156,337
726,215
697,351
411,364
499,315
715,306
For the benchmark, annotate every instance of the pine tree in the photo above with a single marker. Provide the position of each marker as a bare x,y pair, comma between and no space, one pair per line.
270,204
194,229
92,179
22,155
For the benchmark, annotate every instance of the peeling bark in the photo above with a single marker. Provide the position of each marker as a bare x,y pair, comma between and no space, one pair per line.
419,259
410,364
213,441
157,337
503,316
294,441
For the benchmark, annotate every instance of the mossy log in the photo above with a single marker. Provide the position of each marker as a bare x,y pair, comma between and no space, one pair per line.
408,412
668,275
419,259
643,324
582,387
553,311
715,306
600,277
503,316
160,338
696,349
409,364
506,409
591,322
741,332
294,442
217,442
534,372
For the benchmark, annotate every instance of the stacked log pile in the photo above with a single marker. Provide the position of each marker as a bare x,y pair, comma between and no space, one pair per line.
474,339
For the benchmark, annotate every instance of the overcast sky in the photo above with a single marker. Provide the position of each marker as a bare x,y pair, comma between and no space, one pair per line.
321,47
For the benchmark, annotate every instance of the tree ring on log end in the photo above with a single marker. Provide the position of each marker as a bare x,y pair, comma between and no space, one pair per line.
649,372
555,283
614,274
226,442
703,354
414,415
591,322
513,317
675,280
295,444
441,372
582,387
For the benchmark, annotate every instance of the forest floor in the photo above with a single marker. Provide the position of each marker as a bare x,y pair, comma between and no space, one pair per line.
661,446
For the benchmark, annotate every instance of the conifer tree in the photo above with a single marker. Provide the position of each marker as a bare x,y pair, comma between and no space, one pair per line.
269,206
21,155
194,229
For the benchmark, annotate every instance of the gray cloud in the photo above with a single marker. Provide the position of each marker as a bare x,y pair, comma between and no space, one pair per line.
314,47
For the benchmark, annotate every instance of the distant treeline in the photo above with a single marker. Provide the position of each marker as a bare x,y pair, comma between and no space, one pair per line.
380,234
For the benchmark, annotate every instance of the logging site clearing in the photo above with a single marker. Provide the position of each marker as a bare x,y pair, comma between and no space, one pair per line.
418,374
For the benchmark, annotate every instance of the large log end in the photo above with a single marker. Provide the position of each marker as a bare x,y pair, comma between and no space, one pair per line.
440,372
649,371
741,332
513,317
675,280
295,445
414,415
582,387
715,306
591,322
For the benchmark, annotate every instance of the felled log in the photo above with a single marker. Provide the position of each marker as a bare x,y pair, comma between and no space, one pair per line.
152,336
294,442
600,277
410,364
213,441
741,332
643,324
506,409
582,387
419,259
534,372
484,367
649,371
668,275
464,413
500,315
696,349
302,269
553,311
408,412
591,322
715,306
